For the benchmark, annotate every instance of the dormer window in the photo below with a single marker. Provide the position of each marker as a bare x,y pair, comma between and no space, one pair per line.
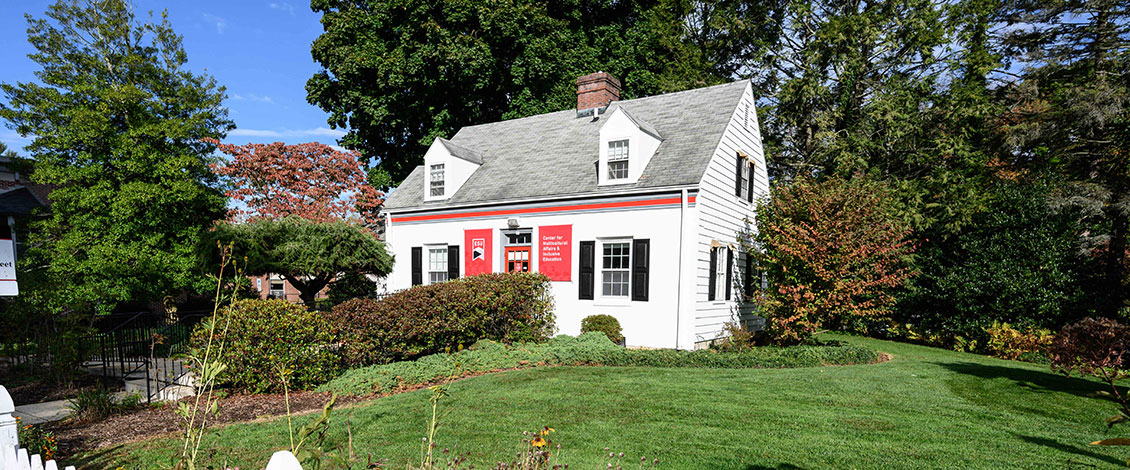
437,180
618,160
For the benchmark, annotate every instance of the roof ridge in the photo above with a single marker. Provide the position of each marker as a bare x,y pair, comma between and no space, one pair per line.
617,102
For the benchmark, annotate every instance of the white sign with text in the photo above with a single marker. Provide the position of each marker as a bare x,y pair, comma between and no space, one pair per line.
8,285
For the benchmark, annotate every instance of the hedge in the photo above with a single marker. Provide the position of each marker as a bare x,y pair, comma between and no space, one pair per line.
507,307
588,349
261,338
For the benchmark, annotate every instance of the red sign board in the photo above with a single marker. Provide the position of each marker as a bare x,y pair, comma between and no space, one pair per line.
555,251
477,258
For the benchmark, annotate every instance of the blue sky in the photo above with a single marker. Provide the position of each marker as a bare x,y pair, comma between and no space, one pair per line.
258,49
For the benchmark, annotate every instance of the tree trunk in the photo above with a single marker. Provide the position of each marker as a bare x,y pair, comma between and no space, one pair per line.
308,289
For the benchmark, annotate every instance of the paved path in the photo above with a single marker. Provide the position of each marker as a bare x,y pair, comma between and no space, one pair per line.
42,412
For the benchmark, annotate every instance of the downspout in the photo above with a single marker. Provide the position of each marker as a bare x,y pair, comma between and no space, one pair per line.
679,283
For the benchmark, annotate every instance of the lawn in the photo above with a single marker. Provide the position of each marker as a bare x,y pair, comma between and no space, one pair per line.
926,408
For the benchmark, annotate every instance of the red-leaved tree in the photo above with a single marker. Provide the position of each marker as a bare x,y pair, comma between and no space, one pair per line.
310,180
832,251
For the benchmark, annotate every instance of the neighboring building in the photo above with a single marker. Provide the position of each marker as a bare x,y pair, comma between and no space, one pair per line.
20,201
632,207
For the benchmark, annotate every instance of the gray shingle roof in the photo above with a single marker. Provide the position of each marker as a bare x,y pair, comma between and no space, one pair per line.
556,154
462,152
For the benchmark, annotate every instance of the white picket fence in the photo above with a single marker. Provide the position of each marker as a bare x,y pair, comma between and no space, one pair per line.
12,457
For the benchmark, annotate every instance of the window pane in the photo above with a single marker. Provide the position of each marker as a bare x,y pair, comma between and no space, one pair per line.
618,170
437,180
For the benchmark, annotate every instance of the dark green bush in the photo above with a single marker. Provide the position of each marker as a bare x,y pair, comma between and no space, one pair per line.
588,349
1015,263
262,338
606,324
427,319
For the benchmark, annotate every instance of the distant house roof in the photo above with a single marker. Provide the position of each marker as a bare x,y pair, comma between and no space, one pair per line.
19,201
556,154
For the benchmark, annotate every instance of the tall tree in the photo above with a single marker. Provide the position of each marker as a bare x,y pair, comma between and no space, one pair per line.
310,180
397,74
847,82
117,127
1070,115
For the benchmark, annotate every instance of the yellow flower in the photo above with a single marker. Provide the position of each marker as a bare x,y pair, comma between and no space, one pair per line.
538,442
546,430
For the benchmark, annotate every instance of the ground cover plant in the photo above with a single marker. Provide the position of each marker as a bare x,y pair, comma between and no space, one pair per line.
588,349
925,408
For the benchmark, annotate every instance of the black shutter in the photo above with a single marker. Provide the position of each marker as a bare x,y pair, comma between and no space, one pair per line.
417,265
588,273
452,262
748,283
749,197
641,252
738,177
713,274
729,272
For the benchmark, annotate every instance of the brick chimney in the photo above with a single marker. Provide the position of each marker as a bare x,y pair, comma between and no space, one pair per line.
596,90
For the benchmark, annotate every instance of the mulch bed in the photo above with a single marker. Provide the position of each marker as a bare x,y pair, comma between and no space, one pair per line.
152,421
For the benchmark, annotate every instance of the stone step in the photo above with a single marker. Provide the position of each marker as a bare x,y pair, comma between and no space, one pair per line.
158,391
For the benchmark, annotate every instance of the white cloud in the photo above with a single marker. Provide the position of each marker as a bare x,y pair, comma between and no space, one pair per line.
315,132
284,6
252,97
219,22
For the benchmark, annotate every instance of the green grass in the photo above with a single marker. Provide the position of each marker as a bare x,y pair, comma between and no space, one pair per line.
927,408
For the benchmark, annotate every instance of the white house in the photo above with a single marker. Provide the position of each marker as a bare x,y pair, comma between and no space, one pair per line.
632,208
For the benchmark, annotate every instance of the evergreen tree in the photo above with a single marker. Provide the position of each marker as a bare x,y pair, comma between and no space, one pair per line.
116,124
1069,115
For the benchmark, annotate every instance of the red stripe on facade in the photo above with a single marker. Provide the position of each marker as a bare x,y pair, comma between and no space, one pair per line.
550,209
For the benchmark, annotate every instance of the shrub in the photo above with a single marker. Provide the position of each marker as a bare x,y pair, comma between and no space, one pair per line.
1009,343
606,324
262,338
1095,347
98,404
833,252
426,319
592,348
1014,262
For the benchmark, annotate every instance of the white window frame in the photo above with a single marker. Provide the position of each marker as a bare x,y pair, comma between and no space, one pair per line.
720,273
271,288
626,269
437,183
625,144
436,267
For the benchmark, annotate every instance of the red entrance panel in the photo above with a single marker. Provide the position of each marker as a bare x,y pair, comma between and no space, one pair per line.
517,259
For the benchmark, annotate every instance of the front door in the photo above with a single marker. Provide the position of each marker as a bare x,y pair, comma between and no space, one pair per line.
517,259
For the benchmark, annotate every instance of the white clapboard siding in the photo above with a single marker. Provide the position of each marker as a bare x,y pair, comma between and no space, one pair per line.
723,215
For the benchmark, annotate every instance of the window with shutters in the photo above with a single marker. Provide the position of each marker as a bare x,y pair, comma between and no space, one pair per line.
615,268
618,160
437,264
720,273
437,175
